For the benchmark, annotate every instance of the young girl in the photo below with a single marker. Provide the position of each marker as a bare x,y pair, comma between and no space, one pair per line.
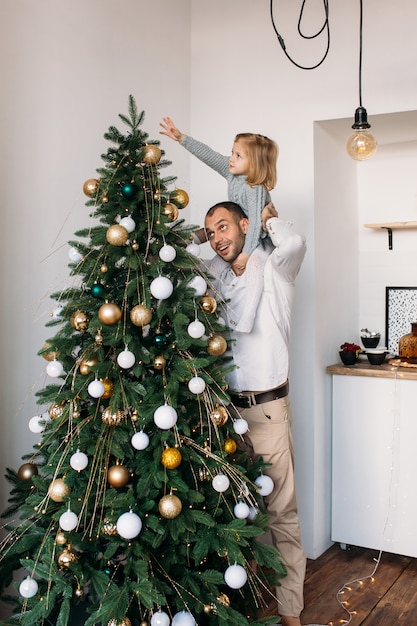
250,172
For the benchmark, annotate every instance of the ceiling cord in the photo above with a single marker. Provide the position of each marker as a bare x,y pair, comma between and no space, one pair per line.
325,27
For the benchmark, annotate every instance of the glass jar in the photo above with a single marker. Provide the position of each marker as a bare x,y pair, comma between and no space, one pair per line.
407,345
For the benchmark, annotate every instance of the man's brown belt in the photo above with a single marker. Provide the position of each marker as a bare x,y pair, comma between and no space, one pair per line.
245,401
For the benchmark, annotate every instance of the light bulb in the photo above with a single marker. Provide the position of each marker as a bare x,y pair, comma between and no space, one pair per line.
361,144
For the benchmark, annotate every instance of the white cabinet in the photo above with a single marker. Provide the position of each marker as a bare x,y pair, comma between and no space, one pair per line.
374,461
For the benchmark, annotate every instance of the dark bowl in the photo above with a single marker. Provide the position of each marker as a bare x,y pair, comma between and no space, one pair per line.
371,342
376,358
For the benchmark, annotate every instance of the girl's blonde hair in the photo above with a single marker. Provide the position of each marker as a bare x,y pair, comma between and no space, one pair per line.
262,157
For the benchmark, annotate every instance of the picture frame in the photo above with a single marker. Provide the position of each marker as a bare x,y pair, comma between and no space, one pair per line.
400,312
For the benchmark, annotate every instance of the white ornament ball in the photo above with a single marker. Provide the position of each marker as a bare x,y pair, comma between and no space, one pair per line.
160,619
196,385
265,485
161,288
193,248
183,618
128,223
241,510
235,576
129,525
240,426
199,285
54,369
28,587
196,329
165,417
35,425
126,359
68,520
74,255
96,388
79,461
167,253
140,440
220,483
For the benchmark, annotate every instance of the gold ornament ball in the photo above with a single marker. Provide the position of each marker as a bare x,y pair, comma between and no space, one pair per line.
208,304
140,315
207,608
159,362
135,245
219,416
180,197
109,313
171,211
144,624
216,345
47,352
61,539
171,458
118,476
90,187
56,410
79,320
230,446
65,558
109,528
99,338
104,268
152,154
58,490
108,387
112,418
117,235
26,471
86,365
170,506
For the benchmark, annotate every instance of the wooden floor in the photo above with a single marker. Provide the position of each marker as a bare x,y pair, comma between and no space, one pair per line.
388,598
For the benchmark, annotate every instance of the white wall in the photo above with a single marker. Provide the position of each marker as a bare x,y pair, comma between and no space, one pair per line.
217,69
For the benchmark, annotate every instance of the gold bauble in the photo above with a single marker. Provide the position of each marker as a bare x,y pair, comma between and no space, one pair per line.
56,410
109,313
230,445
109,528
216,345
79,320
47,354
152,154
118,476
26,471
108,387
219,415
171,458
207,608
58,490
208,304
61,539
104,268
98,338
112,418
170,506
66,557
180,197
171,211
90,187
115,622
159,362
86,365
144,624
135,245
140,315
223,599
117,235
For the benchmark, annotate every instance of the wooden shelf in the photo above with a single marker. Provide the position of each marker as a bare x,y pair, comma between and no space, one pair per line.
390,226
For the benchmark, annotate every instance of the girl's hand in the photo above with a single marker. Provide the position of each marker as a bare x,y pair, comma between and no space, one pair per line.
170,130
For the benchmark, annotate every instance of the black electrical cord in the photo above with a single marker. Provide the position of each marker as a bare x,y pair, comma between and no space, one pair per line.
325,26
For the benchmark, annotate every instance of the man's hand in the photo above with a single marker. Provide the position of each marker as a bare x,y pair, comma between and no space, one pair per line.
267,212
170,130
239,264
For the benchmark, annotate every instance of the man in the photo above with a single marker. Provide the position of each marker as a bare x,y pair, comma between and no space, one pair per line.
260,323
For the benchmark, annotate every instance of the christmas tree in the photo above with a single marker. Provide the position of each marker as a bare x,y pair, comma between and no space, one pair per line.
138,505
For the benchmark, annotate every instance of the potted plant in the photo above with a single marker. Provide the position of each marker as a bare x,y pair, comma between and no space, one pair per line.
349,353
